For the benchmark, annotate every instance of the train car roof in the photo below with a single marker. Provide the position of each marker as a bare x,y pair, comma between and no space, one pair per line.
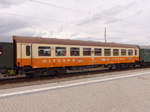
40,40
6,43
144,47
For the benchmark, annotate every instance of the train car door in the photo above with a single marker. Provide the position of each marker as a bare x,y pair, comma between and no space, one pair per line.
28,48
25,54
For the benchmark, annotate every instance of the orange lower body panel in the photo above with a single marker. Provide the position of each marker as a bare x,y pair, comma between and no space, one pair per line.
62,62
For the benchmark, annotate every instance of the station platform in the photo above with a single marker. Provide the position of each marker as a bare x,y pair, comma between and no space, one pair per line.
126,92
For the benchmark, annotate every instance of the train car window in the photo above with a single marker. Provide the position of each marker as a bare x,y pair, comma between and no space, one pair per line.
135,52
130,52
107,52
74,51
44,51
1,50
28,50
123,52
61,51
115,52
86,51
97,51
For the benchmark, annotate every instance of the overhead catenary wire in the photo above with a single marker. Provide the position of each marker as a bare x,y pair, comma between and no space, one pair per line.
10,13
49,20
43,19
57,6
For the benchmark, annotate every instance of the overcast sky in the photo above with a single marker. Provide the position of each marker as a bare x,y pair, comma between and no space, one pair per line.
127,21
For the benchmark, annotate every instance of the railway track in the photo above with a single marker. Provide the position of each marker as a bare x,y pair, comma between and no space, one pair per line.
23,81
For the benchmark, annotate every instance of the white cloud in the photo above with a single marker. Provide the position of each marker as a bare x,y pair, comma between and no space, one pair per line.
126,21
8,3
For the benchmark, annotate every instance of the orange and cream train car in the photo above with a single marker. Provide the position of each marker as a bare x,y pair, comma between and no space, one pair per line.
36,53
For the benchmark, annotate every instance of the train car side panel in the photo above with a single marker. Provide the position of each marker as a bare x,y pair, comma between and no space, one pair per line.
62,62
6,55
46,53
24,54
51,60
145,54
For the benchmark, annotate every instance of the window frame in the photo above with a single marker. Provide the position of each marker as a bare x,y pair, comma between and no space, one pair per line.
78,54
46,47
1,50
65,52
123,52
135,52
100,49
117,52
28,50
130,52
109,51
85,51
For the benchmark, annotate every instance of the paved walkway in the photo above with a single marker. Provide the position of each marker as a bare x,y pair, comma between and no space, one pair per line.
116,93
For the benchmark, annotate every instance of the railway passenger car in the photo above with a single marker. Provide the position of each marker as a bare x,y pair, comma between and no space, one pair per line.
61,54
144,54
7,60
